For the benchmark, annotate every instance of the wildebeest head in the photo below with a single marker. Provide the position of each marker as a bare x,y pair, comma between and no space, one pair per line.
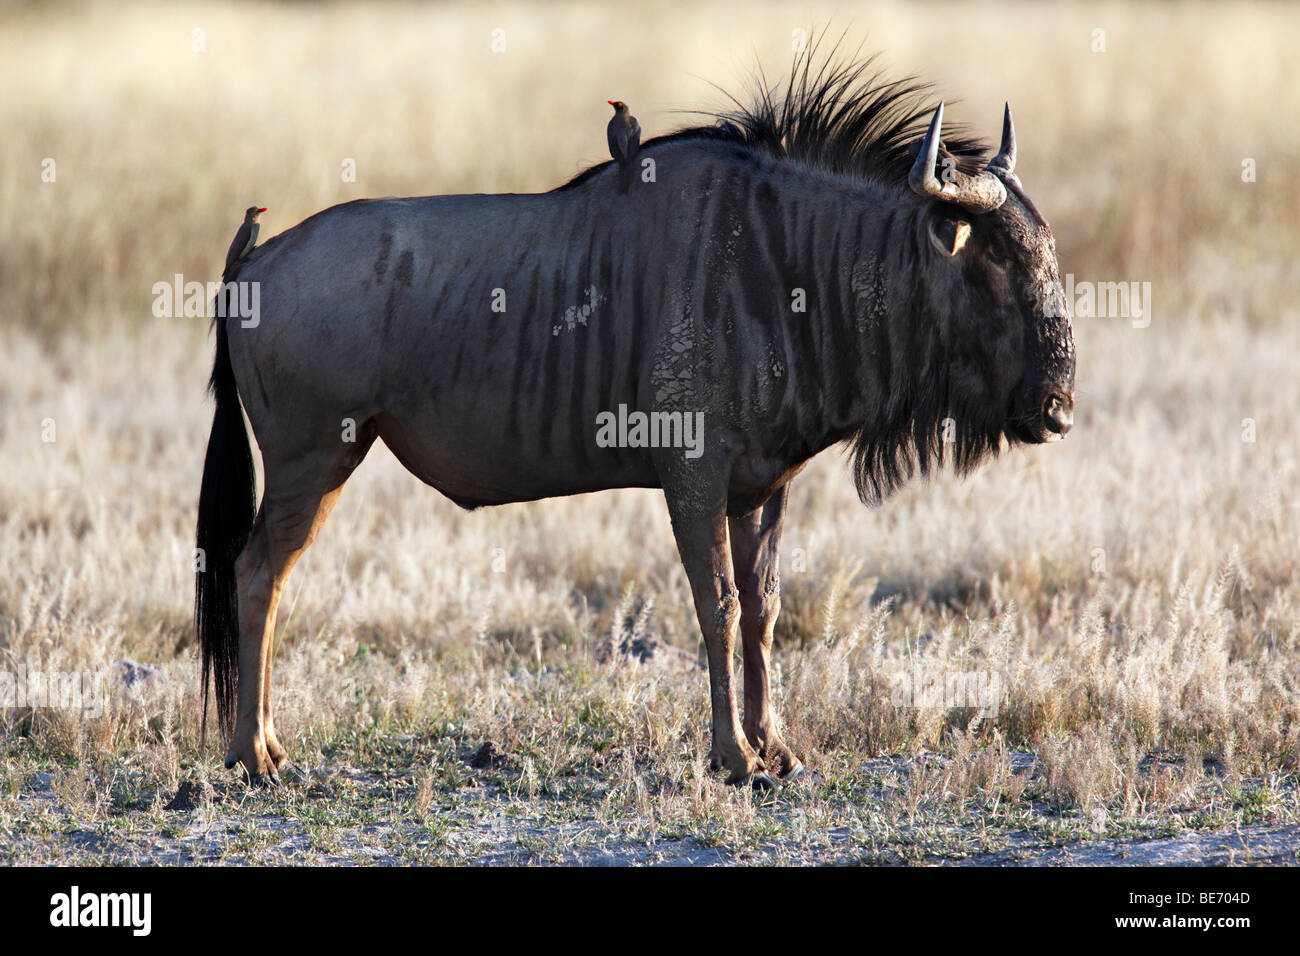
1007,336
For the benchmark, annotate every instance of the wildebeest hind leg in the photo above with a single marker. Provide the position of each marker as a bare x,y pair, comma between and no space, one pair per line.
755,549
300,493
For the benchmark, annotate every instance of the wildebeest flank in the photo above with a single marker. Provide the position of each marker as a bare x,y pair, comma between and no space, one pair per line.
815,269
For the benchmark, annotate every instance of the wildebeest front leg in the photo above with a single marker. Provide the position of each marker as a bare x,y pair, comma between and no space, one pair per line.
755,548
702,544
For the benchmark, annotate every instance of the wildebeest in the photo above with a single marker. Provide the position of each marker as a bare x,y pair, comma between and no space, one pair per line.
814,269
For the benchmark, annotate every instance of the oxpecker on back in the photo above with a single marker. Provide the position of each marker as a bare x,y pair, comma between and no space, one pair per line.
245,239
624,137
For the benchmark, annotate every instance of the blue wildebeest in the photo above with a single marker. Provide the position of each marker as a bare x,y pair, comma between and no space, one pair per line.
482,337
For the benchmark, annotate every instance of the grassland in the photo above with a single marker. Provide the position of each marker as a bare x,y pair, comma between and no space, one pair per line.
1133,590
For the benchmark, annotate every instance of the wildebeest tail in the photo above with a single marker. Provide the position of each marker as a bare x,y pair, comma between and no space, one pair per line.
227,504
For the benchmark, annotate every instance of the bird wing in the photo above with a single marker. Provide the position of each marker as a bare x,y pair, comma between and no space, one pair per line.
616,136
237,246
634,137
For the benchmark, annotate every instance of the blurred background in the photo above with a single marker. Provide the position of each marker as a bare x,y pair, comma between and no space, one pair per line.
166,120
1159,140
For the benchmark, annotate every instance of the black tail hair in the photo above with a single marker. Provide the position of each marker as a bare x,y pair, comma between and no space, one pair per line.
227,505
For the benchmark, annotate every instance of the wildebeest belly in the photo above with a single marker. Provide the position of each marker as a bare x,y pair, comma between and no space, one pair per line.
467,457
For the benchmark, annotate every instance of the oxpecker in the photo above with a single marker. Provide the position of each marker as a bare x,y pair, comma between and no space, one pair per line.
245,238
624,136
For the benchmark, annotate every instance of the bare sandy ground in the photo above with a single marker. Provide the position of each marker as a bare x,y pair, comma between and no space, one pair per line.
489,825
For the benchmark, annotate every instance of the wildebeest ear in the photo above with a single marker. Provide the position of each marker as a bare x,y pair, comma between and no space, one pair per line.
949,235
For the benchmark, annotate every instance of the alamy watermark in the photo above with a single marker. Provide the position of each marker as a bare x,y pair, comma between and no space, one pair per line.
1104,300
977,689
208,300
81,690
636,429
133,911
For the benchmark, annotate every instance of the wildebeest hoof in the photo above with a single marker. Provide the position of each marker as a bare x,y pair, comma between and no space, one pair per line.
291,773
760,781
256,772
795,773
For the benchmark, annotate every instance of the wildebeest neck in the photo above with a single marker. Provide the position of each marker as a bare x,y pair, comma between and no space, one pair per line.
815,323
845,344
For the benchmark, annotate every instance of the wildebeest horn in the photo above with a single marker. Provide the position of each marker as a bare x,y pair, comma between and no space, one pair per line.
1004,163
981,193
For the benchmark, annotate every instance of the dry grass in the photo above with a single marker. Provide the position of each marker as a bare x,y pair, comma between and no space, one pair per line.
1134,590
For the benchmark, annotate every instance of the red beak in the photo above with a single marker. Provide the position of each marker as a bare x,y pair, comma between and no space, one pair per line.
263,209
611,102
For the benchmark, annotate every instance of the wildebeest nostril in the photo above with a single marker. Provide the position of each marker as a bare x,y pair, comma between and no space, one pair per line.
1058,414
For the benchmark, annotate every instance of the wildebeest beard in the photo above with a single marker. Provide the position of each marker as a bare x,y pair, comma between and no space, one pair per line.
929,425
